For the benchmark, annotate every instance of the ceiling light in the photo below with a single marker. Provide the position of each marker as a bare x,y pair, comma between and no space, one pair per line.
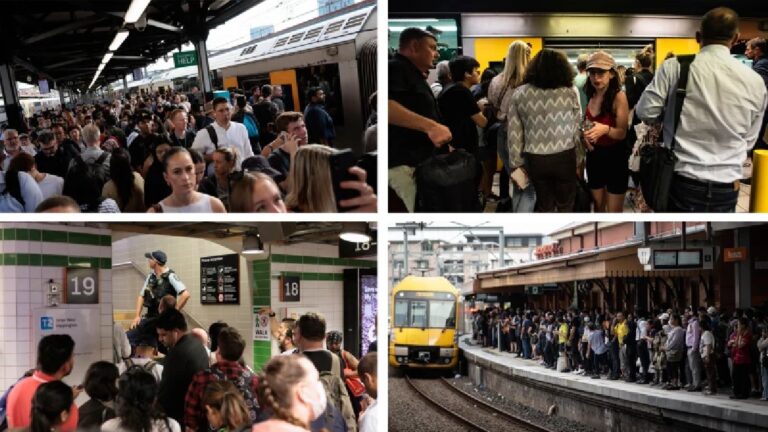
107,58
252,243
355,232
120,37
136,10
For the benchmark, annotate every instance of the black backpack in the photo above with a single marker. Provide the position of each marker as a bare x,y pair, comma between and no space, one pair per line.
85,181
243,384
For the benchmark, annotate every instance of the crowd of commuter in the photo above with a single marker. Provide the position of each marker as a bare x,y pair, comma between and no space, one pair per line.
699,349
570,139
169,152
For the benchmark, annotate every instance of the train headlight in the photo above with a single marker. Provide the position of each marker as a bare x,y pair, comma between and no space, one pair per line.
446,352
401,351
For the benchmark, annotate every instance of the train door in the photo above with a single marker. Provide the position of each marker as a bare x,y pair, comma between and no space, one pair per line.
622,50
326,77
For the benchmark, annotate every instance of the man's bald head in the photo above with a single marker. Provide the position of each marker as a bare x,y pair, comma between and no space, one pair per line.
202,336
719,25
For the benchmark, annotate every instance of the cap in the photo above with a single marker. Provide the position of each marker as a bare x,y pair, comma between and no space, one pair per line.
23,135
664,316
261,164
712,310
158,256
601,60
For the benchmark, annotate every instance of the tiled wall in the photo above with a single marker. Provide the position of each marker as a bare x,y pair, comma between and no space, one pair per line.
184,258
321,273
30,255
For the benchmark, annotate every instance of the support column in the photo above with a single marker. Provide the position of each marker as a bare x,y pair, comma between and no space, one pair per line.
743,270
11,96
203,71
125,86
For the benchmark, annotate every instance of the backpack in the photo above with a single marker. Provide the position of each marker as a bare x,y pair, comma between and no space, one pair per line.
250,124
212,135
85,180
337,395
243,384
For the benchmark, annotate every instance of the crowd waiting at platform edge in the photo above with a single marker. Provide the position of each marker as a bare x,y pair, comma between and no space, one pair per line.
201,383
699,350
171,152
570,140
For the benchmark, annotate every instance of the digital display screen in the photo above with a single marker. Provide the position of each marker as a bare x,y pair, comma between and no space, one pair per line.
44,89
664,259
689,258
368,283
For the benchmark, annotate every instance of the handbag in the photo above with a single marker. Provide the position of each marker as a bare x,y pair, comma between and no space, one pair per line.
657,163
447,182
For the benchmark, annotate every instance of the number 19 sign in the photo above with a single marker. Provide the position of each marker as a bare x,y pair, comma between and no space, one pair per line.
82,286
290,289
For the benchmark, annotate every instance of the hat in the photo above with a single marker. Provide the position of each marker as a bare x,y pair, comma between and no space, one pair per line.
601,60
23,135
158,256
664,316
142,116
261,164
712,310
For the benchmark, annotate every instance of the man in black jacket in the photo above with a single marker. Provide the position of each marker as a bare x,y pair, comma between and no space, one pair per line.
186,356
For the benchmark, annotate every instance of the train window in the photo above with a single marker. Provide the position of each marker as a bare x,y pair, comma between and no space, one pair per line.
442,313
313,33
418,313
401,313
334,27
445,29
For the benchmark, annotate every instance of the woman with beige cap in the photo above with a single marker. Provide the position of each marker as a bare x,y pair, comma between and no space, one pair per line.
605,126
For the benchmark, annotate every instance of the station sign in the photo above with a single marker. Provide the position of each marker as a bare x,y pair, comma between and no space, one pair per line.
735,254
356,250
184,58
290,289
82,286
220,279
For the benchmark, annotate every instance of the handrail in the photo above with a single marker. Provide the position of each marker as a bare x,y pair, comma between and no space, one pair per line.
191,321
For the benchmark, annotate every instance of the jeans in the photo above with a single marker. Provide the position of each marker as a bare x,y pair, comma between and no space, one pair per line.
645,358
526,348
693,196
741,385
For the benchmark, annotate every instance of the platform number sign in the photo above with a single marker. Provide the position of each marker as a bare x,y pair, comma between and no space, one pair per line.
290,289
82,286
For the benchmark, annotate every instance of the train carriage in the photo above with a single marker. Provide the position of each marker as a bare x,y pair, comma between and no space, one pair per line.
424,318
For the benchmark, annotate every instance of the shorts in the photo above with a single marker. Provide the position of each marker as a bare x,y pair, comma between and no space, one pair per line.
607,167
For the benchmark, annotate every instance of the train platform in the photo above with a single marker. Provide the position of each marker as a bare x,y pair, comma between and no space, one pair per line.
716,412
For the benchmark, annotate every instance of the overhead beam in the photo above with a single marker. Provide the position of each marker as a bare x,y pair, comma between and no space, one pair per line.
64,29
151,22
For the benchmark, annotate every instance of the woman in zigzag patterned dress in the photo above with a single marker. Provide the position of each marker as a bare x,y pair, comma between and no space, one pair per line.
543,126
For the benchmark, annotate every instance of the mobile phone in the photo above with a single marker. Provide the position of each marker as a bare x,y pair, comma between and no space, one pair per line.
341,162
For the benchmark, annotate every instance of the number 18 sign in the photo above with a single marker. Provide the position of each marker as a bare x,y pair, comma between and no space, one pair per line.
290,289
82,286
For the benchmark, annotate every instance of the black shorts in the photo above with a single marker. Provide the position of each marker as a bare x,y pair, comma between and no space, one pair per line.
607,167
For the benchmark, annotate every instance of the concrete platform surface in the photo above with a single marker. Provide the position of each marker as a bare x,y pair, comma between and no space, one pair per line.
753,412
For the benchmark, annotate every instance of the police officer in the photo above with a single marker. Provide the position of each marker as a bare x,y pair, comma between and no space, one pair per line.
161,281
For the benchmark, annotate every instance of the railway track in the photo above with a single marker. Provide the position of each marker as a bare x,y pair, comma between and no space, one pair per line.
472,412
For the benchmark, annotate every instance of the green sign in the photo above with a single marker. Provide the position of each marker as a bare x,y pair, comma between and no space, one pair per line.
184,58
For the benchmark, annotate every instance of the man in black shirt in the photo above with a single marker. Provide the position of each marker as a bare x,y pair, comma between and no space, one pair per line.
460,111
51,159
414,128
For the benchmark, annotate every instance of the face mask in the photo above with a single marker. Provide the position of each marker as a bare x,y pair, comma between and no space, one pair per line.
318,402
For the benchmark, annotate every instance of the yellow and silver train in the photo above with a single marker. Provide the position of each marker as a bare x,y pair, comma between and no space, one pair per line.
424,315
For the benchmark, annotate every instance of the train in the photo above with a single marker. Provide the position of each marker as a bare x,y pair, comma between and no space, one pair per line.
424,319
486,36
32,105
336,52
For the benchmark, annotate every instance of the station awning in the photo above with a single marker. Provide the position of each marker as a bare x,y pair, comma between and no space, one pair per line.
65,41
619,263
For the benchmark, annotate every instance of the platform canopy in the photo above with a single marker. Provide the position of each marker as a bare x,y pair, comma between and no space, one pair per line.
66,40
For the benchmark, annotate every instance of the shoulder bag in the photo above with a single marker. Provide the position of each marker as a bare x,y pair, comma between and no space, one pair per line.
657,163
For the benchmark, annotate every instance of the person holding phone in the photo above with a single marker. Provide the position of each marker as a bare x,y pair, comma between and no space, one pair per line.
312,184
292,134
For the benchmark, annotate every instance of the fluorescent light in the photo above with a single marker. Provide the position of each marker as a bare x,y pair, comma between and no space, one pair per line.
252,244
120,37
135,10
418,20
107,58
355,232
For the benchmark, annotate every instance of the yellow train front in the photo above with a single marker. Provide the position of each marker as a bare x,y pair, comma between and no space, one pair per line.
423,321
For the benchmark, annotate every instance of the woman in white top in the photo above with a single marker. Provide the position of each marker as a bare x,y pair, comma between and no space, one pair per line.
136,408
179,172
49,184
